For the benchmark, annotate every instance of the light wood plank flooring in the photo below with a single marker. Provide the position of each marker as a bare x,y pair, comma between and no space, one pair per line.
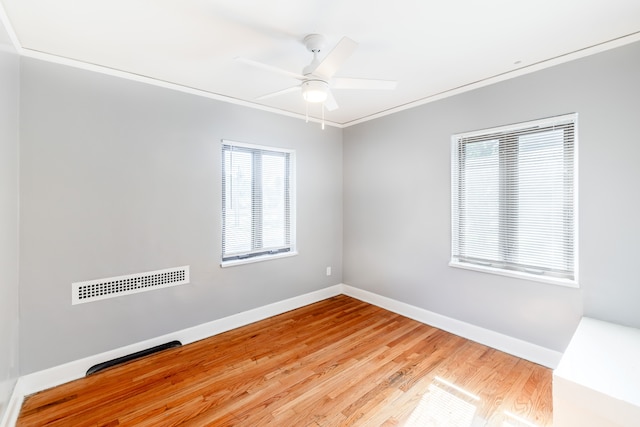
339,362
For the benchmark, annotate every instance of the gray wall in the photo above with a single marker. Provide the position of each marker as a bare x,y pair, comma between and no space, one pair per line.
9,93
397,201
119,177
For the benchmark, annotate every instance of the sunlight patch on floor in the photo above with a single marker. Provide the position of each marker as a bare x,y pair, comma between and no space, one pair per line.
445,405
512,420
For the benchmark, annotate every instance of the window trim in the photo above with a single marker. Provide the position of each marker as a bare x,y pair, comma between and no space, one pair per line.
267,254
257,258
517,274
521,274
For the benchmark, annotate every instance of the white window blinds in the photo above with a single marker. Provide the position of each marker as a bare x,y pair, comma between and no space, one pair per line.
257,201
513,199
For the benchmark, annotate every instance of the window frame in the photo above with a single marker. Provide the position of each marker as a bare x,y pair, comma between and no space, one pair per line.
259,253
500,133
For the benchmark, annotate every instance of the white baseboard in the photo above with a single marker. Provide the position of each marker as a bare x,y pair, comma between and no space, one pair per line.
61,374
523,349
13,407
57,375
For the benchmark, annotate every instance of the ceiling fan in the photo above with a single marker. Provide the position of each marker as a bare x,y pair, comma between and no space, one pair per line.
317,78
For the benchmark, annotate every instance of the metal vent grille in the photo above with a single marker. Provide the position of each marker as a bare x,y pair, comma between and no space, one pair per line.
94,290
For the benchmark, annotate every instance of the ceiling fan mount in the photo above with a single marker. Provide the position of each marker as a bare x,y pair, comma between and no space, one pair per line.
315,43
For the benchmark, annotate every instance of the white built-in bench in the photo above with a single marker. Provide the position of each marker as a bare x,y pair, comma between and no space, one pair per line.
597,382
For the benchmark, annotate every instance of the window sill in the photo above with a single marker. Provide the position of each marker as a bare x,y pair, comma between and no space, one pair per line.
517,274
251,260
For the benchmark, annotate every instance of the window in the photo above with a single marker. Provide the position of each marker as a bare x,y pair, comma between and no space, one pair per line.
258,205
513,200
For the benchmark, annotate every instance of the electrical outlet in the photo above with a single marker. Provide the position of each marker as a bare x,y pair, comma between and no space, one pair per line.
328,271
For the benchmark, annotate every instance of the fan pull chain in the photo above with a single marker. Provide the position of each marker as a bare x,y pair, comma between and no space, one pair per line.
307,112
323,116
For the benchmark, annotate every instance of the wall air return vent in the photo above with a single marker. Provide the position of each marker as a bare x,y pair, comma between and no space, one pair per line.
94,290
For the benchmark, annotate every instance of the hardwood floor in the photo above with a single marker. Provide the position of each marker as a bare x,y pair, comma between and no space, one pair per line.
339,362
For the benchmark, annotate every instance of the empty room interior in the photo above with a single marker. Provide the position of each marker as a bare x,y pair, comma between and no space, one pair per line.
320,213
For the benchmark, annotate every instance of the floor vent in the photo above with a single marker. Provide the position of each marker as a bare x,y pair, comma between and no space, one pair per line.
128,358
95,290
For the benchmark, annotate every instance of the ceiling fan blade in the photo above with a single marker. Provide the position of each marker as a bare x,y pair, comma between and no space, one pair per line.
271,68
330,103
371,84
277,93
330,64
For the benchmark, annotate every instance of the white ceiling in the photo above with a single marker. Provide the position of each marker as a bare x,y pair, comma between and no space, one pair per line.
432,48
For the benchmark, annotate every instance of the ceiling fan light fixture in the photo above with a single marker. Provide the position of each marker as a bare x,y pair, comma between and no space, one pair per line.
315,91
